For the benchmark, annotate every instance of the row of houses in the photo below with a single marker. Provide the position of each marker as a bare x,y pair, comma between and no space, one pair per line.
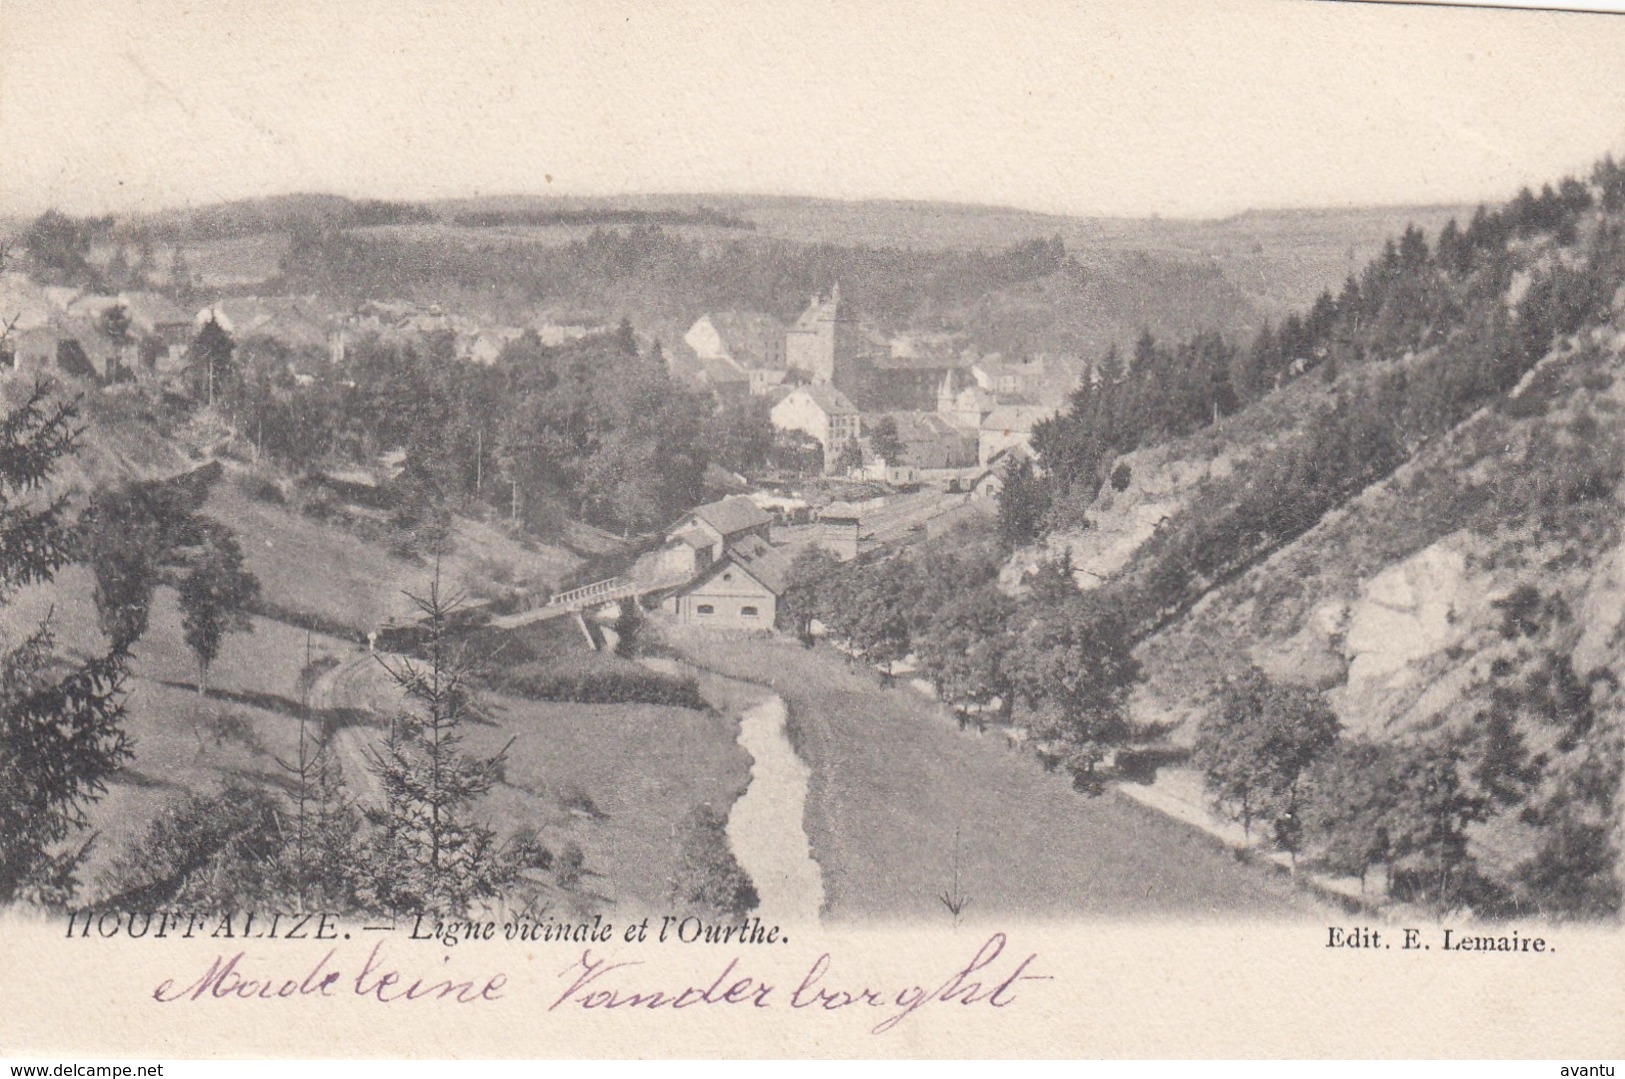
948,438
89,335
310,327
111,336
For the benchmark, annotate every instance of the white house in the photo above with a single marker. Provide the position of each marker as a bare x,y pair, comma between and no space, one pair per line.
821,411
996,376
740,591
753,341
1007,426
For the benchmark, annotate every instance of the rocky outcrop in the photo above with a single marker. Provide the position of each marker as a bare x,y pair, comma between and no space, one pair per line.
1119,523
1602,613
1400,634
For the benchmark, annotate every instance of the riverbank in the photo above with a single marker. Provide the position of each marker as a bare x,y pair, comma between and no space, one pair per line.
904,812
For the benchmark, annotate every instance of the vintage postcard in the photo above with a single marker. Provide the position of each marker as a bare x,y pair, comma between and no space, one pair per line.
839,529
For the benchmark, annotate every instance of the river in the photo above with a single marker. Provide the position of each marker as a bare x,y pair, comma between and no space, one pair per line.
765,827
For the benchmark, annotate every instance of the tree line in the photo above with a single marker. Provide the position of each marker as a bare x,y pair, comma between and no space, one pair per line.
595,429
671,274
1057,663
1273,757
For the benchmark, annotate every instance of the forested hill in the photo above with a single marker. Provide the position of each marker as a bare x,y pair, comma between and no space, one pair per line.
1010,281
1406,501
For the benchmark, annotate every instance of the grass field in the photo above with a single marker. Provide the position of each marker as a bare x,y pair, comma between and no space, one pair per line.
899,794
324,571
616,779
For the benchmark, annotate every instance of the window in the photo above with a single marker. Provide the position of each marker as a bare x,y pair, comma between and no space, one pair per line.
706,608
727,576
747,612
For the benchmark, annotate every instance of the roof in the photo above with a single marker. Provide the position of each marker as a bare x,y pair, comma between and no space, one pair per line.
995,367
762,561
1018,452
830,399
734,514
693,537
924,427
91,305
720,371
1015,417
749,337
23,300
151,310
839,511
298,321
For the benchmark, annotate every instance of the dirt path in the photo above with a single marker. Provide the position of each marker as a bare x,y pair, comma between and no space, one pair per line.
345,687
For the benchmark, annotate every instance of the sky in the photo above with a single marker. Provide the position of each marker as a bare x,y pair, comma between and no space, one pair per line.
1172,107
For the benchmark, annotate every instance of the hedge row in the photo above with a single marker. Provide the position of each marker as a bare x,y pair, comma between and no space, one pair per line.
630,686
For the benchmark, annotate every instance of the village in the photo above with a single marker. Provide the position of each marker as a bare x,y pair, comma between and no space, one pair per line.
905,436
854,566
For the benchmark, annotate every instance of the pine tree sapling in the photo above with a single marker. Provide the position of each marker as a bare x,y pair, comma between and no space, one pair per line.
429,853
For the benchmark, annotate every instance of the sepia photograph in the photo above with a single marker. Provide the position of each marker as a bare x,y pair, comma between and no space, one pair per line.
694,485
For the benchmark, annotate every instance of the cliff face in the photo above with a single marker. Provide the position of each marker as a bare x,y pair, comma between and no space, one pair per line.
1400,602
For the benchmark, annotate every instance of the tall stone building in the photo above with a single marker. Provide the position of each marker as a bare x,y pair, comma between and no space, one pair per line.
826,344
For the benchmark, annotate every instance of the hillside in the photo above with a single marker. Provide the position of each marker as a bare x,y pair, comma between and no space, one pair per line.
1424,531
581,778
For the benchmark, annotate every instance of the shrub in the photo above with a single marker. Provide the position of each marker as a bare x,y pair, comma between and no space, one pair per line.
261,488
214,851
708,876
570,865
608,686
228,726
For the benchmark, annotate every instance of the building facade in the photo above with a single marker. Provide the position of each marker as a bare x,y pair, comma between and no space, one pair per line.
739,592
825,344
821,412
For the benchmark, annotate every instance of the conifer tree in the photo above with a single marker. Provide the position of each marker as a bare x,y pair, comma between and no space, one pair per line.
61,736
320,850
430,853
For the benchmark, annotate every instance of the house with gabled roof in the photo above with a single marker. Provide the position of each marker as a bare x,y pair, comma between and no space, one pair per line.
717,525
821,411
930,440
31,318
749,339
702,536
739,591
162,330
1007,426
